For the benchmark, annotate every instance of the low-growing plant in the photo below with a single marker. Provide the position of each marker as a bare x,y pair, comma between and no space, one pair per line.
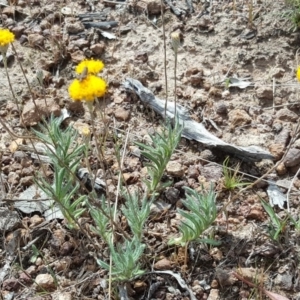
136,212
159,154
276,225
102,218
295,222
231,178
202,213
65,153
125,260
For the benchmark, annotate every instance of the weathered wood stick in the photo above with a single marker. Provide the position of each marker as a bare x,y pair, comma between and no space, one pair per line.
191,129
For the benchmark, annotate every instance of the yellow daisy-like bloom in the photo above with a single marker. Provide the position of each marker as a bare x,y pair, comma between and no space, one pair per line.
87,89
298,73
85,131
6,37
93,66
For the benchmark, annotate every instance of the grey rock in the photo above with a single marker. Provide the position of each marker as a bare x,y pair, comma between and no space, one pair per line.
8,219
292,158
286,115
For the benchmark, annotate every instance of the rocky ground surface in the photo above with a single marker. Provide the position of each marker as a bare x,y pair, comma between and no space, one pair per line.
235,73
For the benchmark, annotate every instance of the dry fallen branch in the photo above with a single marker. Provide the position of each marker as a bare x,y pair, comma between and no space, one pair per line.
191,129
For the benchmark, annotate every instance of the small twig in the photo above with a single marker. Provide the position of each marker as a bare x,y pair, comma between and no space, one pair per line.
273,94
114,2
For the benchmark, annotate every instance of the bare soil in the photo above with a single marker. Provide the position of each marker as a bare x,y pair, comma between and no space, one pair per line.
252,43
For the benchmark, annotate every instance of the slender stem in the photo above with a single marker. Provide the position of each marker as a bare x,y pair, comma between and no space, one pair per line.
175,82
9,82
165,54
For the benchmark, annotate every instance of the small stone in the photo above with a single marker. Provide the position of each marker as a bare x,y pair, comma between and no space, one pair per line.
163,264
11,284
286,115
277,150
74,28
44,281
24,278
214,284
31,270
221,108
77,56
150,7
175,169
81,43
45,24
122,114
265,118
36,40
18,30
27,181
285,281
216,253
212,172
283,137
8,219
238,117
27,171
215,92
193,172
264,93
172,194
214,294
13,178
9,11
75,107
207,156
256,214
35,220
193,71
66,248
98,48
141,56
292,158
62,296
196,80
281,169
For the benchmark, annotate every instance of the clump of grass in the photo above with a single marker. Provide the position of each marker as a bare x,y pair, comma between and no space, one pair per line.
231,178
276,225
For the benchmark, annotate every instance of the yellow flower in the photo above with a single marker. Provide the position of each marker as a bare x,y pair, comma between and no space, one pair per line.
87,89
298,73
6,37
85,130
93,66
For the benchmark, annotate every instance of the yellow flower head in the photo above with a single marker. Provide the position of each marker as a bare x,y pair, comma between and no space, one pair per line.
85,130
92,66
298,73
6,37
87,89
